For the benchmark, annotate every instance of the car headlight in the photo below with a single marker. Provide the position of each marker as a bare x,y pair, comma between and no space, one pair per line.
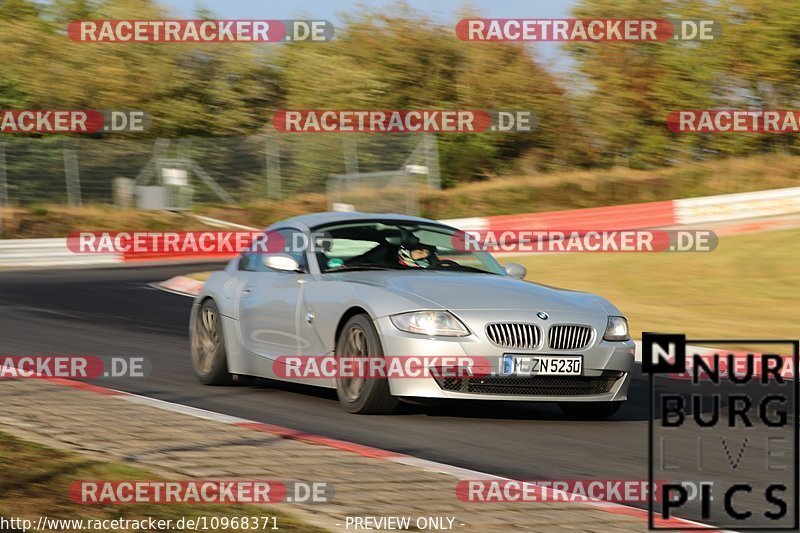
617,329
431,323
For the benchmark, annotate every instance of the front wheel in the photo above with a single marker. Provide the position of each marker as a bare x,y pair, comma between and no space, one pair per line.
589,410
362,395
209,360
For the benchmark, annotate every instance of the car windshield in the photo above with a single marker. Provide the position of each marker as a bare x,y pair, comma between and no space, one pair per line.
392,245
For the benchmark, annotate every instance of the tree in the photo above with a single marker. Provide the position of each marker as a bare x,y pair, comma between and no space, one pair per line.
403,61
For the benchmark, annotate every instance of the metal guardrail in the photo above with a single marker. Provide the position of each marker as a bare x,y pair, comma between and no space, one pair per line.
46,252
740,206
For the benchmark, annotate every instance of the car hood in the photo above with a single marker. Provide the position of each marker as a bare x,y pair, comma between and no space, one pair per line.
463,291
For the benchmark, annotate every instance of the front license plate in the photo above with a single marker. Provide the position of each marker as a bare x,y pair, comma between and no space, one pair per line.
541,365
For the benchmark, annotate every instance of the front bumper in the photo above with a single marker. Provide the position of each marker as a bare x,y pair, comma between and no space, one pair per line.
606,372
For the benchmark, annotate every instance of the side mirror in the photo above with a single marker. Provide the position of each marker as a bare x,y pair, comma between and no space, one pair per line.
515,270
282,262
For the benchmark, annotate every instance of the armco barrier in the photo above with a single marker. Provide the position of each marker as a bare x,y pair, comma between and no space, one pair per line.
776,202
177,256
469,224
740,206
46,252
634,216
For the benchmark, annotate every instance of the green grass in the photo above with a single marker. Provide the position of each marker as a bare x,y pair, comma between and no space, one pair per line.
35,481
747,287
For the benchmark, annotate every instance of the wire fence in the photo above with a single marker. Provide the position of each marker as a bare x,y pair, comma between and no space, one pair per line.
231,170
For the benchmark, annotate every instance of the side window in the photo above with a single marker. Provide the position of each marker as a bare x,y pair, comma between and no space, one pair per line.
292,245
338,251
246,262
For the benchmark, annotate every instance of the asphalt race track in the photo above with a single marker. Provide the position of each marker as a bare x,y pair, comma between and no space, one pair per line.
115,312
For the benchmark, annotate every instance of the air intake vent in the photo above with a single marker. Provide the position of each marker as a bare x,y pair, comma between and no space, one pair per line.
534,385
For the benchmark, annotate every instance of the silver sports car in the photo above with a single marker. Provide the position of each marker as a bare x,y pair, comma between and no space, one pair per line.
348,285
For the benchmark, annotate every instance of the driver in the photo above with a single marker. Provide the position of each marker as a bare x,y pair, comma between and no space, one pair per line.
416,255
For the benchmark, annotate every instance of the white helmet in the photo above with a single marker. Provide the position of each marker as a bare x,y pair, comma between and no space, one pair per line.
406,258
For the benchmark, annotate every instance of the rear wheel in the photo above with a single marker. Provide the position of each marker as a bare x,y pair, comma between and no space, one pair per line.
362,395
589,410
209,360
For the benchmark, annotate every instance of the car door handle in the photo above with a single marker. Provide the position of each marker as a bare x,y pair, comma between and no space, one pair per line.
246,291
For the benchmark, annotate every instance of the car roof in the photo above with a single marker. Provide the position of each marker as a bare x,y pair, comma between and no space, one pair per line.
314,220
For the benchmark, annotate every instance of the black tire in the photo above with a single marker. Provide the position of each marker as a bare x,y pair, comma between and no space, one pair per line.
589,410
209,359
372,395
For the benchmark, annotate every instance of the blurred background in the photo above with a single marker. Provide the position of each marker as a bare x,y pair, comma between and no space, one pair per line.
601,138
212,159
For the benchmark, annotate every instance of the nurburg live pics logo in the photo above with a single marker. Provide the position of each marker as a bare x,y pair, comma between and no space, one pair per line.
727,438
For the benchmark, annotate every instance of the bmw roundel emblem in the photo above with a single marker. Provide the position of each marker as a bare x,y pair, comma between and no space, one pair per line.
542,315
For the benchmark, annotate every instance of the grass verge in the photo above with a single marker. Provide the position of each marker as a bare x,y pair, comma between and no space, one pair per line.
746,288
36,480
